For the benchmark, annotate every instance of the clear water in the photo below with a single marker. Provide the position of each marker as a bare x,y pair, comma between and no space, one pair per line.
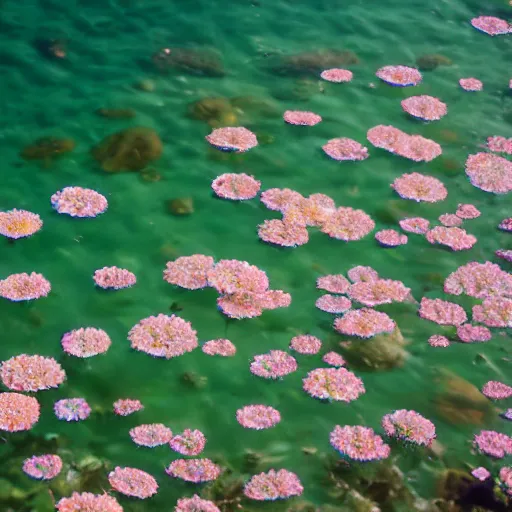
109,49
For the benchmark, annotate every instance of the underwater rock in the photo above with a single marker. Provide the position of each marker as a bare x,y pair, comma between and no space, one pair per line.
430,62
47,148
193,380
459,402
116,113
180,206
150,175
254,106
382,352
128,150
301,90
226,492
217,112
453,484
314,62
51,48
355,502
145,85
194,61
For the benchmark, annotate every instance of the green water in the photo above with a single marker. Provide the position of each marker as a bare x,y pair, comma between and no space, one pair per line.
109,48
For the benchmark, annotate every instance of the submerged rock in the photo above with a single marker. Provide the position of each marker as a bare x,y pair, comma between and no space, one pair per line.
128,150
52,48
47,148
190,60
180,206
116,113
314,62
216,112
430,62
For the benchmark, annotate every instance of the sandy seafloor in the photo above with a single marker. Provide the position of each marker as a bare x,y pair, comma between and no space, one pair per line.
109,48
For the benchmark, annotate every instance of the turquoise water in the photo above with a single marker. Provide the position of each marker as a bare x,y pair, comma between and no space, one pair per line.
108,47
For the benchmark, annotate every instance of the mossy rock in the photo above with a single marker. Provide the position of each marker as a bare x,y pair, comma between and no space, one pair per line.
314,62
216,112
47,148
194,61
128,150
116,113
432,61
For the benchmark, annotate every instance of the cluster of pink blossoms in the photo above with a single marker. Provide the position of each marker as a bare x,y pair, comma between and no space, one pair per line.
237,187
418,187
409,426
489,172
337,384
424,107
86,342
455,238
344,148
114,278
189,442
31,373
16,224
79,202
493,443
497,390
86,501
301,118
274,485
442,312
220,347
151,435
43,467
471,84
364,323
127,406
498,144
494,312
163,336
195,504
390,238
21,287
399,76
273,365
194,470
258,417
337,75
506,479
416,225
18,412
72,409
306,344
190,272
333,304
468,333
359,443
491,25
412,147
237,139
438,341
379,291
133,482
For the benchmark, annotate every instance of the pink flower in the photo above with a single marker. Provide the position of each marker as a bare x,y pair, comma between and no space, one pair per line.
237,139
195,504
409,426
333,304
72,409
237,187
189,442
258,417
133,482
220,347
337,384
493,443
285,234
467,211
361,273
348,224
481,474
471,84
364,323
491,25
232,276
274,485
302,118
151,435
345,149
88,502
86,342
114,278
425,107
506,479
494,312
18,412
280,199
19,223
337,75
194,470
438,341
306,344
20,287
31,373
450,220
333,359
335,283
390,238
456,239
401,76
497,390
359,443
442,312
473,333
490,172
190,272
273,365
79,202
380,291
127,406
43,467
419,187
498,144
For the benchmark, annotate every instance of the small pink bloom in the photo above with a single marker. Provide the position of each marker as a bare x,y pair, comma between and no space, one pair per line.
189,442
220,347
390,238
258,417
333,304
401,76
237,139
302,118
306,344
237,187
114,278
133,482
471,84
345,149
337,75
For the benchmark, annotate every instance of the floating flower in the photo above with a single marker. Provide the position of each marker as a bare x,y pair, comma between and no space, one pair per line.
491,25
497,390
348,224
19,223
306,344
190,272
489,172
409,426
232,276
359,443
507,415
31,373
386,137
43,467
194,470
19,287
400,76
280,199
361,273
195,504
127,406
390,238
237,139
380,291
238,187
333,304
493,443
457,239
273,365
88,502
499,144
337,75
189,442
151,435
416,225
220,347
442,312
506,224
467,211
301,118
506,479
479,280
258,417
425,107
114,278
450,220
471,84
345,149
505,254
274,485
481,474
364,323
133,482
438,341
333,359
285,234
163,336
335,283
86,342
419,187
18,412
250,305
79,202
494,312
337,384
72,409
470,333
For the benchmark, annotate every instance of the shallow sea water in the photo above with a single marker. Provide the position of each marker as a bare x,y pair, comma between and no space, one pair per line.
109,49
